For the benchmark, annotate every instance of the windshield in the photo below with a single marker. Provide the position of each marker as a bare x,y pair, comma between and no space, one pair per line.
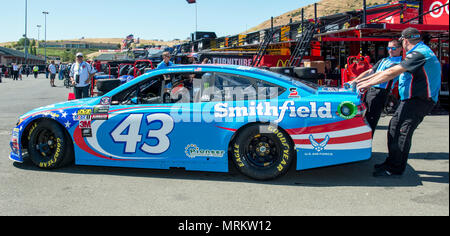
154,52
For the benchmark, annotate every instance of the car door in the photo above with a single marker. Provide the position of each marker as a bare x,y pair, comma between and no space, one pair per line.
131,126
148,125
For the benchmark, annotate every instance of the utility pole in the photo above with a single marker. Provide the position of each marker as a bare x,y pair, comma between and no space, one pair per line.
196,17
45,40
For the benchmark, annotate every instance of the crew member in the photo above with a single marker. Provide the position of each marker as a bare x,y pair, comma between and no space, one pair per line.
81,74
376,96
419,85
166,61
165,64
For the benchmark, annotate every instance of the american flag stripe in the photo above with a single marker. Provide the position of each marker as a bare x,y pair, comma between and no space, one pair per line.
339,140
345,146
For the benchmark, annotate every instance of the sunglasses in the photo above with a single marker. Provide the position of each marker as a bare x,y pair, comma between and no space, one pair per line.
392,48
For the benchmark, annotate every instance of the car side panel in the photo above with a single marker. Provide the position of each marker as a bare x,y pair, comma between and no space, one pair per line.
194,146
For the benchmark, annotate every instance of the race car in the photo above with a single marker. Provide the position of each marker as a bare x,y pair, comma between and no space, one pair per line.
201,118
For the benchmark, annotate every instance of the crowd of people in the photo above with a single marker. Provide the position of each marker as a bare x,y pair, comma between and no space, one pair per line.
15,71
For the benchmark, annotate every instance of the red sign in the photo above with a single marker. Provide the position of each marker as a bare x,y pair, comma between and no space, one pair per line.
439,14
275,61
190,1
85,124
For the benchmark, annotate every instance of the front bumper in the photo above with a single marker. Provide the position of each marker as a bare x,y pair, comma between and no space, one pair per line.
15,157
16,153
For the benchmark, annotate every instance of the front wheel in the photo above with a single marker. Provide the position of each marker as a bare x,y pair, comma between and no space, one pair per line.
49,146
262,152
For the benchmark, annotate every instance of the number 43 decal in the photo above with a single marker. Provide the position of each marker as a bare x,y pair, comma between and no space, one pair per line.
132,137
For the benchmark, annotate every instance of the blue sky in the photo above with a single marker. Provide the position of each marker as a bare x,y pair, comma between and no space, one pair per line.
147,19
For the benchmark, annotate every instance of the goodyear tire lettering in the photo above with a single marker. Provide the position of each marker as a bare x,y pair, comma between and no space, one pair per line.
33,127
59,154
243,152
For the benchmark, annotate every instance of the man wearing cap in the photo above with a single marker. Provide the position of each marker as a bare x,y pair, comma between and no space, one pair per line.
419,85
375,98
81,74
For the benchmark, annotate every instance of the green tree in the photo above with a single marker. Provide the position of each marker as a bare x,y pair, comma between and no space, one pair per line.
21,42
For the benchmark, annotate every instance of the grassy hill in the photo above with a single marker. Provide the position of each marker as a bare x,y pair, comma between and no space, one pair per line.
324,8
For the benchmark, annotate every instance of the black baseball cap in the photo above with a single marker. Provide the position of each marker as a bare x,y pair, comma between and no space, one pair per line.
411,33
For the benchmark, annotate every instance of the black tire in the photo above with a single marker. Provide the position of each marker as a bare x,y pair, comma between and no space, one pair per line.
262,152
49,146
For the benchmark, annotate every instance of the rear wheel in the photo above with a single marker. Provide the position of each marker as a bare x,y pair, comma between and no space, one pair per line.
262,152
49,146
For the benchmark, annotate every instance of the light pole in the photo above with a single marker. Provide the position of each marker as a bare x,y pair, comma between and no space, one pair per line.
45,40
39,33
196,18
25,35
39,30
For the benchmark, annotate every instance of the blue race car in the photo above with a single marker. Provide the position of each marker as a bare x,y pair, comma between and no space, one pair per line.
199,117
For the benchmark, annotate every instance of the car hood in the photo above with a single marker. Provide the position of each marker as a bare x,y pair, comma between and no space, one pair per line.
61,106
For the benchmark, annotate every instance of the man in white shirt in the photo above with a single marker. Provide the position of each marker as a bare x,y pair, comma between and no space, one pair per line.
15,71
52,70
81,74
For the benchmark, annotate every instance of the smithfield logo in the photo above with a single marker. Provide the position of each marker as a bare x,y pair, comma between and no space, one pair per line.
271,110
192,151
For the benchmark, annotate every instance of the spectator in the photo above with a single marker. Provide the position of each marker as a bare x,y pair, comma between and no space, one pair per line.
20,71
35,71
15,73
27,70
62,67
52,71
81,74
46,71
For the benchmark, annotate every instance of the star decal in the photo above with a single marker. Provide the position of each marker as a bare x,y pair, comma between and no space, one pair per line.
68,124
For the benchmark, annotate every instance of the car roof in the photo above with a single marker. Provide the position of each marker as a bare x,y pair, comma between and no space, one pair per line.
269,76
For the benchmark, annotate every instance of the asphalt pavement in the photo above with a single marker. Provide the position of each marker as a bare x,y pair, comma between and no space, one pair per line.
339,190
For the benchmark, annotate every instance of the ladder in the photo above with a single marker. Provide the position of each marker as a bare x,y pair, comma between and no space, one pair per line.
263,47
303,44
